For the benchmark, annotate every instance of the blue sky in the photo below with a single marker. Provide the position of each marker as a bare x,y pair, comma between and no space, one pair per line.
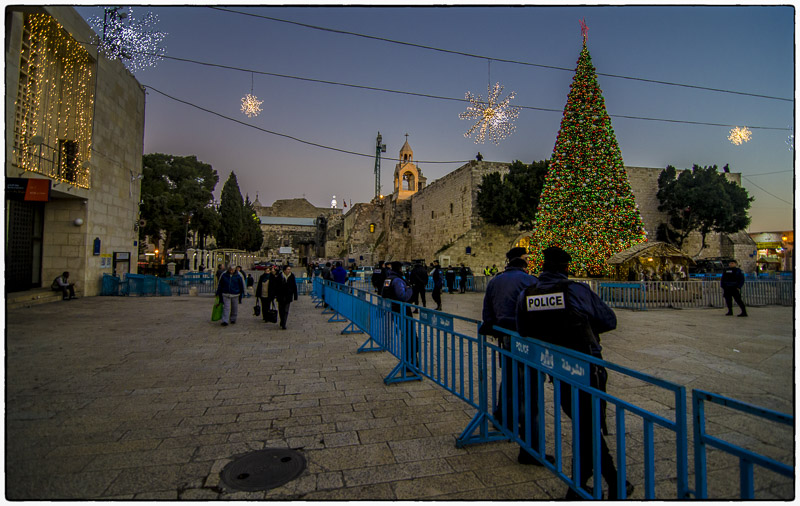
747,49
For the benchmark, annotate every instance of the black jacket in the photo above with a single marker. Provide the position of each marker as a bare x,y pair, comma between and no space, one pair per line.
285,289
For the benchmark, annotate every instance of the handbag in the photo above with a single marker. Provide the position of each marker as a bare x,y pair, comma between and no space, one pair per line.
257,309
216,312
271,314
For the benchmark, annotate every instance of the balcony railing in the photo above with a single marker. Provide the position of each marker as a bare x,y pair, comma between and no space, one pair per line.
52,162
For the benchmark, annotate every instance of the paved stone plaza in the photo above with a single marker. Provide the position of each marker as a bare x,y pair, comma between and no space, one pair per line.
144,398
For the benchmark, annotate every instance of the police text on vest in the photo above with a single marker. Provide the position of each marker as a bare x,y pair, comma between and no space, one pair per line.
546,302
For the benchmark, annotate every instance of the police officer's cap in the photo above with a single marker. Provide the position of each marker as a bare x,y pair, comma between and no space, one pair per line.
555,255
397,266
516,252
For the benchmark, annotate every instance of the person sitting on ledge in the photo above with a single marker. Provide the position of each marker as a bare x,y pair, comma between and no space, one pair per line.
62,284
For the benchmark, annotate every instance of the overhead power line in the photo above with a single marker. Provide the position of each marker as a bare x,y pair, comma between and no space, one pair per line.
366,155
765,191
503,60
439,97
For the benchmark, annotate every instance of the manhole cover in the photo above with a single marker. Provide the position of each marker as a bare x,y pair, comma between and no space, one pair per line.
263,469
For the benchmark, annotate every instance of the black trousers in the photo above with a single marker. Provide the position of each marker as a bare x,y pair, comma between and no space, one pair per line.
735,294
66,291
283,311
436,294
607,468
418,291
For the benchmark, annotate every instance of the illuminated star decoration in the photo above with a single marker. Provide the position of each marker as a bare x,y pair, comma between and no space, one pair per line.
790,140
584,30
738,135
134,42
495,120
251,105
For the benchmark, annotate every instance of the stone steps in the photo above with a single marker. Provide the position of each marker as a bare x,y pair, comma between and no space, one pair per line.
32,297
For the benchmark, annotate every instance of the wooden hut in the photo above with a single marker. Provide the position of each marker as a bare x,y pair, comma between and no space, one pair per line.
653,260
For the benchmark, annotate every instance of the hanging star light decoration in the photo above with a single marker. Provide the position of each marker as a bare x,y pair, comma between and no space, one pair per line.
251,105
495,120
790,140
738,135
132,41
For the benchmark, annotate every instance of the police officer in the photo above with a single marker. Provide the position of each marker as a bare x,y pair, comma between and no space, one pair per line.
732,283
395,288
500,309
378,275
574,322
436,294
450,275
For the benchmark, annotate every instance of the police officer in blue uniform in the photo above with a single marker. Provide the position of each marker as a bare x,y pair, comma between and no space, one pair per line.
574,322
500,309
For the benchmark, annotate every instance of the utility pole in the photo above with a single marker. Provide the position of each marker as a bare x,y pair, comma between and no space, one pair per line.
379,148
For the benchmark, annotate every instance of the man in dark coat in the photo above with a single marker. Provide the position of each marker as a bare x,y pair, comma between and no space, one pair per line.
732,283
574,321
463,273
450,276
419,278
286,293
436,294
378,275
339,273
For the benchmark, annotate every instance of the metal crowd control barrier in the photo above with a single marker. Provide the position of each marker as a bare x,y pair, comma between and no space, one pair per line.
471,368
696,293
747,459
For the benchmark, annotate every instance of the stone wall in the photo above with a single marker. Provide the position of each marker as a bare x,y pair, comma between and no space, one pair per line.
109,207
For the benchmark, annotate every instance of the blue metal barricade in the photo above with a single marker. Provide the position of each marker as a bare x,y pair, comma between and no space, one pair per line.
623,295
747,458
443,348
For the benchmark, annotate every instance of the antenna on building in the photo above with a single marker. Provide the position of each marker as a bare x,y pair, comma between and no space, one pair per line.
379,148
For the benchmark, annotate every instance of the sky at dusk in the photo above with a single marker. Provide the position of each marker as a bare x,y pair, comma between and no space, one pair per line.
743,49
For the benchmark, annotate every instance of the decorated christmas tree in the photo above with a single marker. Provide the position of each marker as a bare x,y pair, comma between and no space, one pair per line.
586,206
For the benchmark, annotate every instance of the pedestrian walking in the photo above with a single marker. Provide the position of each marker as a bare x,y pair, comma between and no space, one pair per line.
263,291
436,294
286,292
732,283
231,290
500,309
573,317
395,288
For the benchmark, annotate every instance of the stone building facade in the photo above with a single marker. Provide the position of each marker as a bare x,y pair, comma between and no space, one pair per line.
440,221
82,140
295,230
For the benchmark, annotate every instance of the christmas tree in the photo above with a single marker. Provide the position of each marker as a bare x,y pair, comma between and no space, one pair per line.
586,206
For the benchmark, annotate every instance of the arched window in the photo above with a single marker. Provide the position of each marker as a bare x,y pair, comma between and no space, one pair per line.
408,181
371,228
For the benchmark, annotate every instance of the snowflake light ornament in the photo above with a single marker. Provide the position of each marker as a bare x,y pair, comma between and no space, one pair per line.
495,120
134,42
251,105
738,135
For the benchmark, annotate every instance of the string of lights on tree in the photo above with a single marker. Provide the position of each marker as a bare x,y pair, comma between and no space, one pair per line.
586,206
132,41
55,100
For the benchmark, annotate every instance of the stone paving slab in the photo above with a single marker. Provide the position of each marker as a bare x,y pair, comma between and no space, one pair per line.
112,398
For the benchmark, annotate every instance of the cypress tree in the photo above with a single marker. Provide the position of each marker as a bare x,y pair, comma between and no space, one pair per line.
230,232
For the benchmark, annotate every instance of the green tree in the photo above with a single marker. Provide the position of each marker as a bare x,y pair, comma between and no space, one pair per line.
253,236
586,206
702,200
512,199
174,189
230,231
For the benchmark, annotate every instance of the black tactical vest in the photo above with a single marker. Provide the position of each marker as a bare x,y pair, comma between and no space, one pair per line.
548,315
